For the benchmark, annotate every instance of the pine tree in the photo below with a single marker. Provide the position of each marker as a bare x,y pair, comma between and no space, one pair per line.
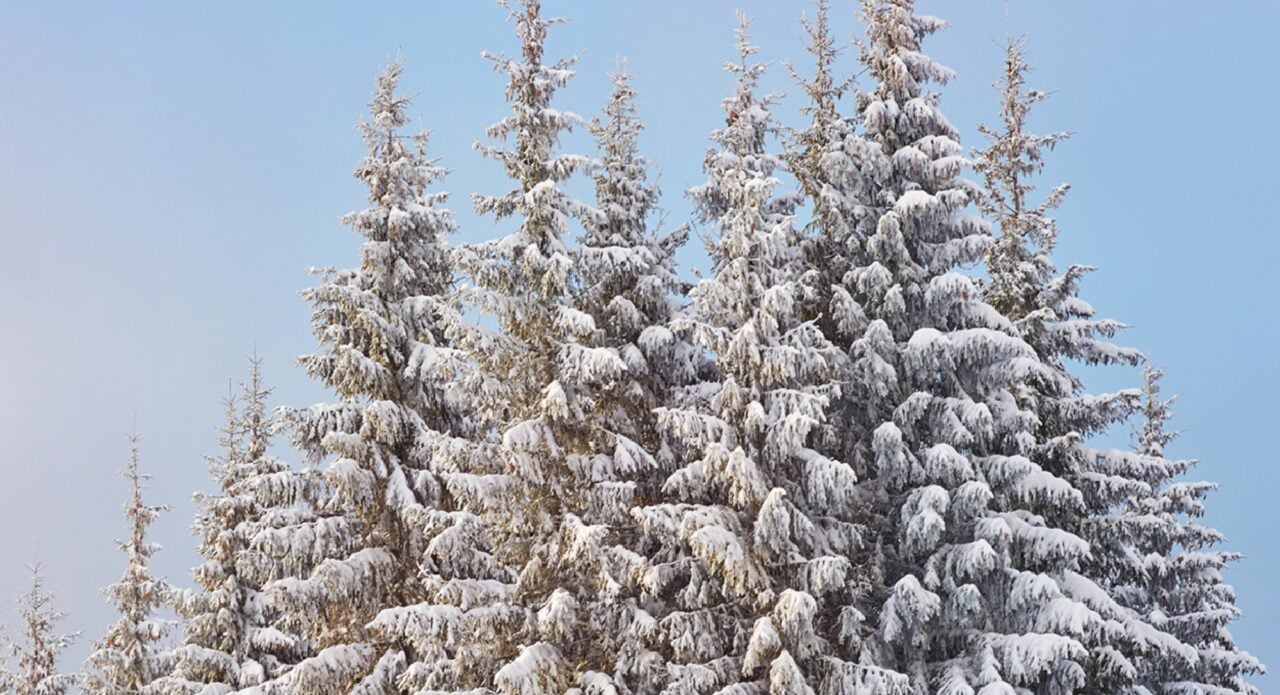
36,670
1175,580
131,657
360,573
231,638
753,529
561,475
1050,316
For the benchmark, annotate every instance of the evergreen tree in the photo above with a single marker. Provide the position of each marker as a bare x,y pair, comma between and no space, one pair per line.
627,273
36,670
564,461
836,174
753,531
1050,316
130,657
358,573
231,639
628,286
1175,580
961,582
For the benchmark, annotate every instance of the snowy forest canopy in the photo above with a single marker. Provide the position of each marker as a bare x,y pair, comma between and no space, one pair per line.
855,456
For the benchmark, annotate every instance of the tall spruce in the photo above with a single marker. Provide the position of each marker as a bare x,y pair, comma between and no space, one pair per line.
232,636
131,657
628,278
1050,316
565,476
957,572
753,531
40,645
1174,579
836,174
628,285
382,530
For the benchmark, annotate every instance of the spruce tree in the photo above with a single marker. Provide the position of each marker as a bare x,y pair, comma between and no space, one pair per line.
628,279
1175,577
231,634
564,462
753,531
1049,314
37,651
957,588
836,175
131,657
627,284
359,573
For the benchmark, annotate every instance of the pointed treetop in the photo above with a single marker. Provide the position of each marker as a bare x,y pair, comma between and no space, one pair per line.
746,49
1019,270
893,55
748,72
531,26
256,422
823,89
1152,437
388,108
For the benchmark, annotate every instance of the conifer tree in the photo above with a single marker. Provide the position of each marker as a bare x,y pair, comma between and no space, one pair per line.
231,638
1174,579
960,574
1049,314
130,657
37,651
753,531
627,273
358,574
836,174
561,477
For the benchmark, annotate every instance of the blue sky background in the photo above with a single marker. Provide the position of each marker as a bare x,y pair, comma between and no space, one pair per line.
169,171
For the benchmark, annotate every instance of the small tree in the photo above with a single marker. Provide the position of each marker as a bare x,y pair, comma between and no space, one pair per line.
231,633
130,658
37,653
1174,579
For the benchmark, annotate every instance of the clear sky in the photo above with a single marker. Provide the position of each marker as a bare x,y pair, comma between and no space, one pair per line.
169,171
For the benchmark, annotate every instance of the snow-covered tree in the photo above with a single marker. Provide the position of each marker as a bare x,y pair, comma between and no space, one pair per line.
563,461
627,277
231,639
1175,577
753,532
968,583
131,656
835,173
1051,317
35,653
359,574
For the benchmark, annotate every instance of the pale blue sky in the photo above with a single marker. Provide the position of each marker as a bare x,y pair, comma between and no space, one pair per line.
168,172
